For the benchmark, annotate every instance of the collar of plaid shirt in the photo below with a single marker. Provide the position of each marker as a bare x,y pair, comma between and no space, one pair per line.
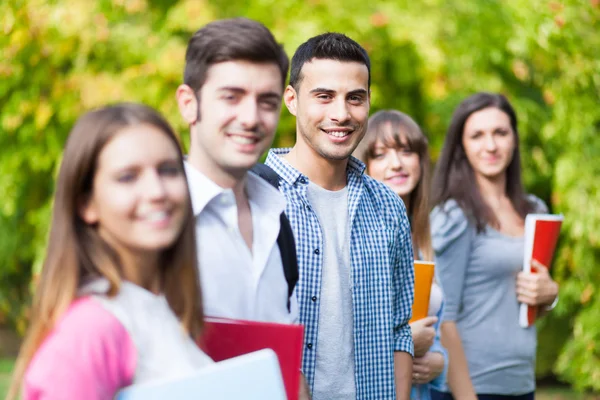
382,278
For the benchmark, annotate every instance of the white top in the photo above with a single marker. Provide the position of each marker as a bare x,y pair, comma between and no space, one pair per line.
334,368
435,300
164,349
237,283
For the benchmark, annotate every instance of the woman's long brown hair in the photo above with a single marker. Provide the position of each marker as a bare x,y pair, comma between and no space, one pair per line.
395,130
454,177
76,253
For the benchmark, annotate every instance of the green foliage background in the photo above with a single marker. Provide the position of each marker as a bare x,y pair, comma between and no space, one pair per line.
59,58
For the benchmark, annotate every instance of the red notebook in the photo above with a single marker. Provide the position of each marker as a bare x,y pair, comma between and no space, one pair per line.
226,338
541,235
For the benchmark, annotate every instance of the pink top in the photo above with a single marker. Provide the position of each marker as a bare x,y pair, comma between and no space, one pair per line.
89,355
103,344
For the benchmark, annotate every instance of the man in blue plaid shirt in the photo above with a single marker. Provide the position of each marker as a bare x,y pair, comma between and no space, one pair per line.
353,237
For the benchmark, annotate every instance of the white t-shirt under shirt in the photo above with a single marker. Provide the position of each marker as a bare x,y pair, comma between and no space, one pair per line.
334,371
236,282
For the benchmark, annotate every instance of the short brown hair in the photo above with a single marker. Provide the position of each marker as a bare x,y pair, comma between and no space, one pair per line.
230,40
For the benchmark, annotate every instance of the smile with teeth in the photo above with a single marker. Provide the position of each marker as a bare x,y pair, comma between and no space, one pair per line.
156,216
339,134
239,139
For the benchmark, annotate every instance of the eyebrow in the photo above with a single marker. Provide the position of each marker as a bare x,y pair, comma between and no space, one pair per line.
362,92
354,92
323,90
240,90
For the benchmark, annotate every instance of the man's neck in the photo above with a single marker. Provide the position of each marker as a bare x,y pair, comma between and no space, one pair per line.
326,173
222,178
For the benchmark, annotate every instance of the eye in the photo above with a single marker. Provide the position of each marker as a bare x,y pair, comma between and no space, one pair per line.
502,132
355,99
126,177
269,105
324,96
169,170
229,97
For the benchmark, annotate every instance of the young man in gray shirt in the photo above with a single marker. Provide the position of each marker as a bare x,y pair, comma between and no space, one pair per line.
352,233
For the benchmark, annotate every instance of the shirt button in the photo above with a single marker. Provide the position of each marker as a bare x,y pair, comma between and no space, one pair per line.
309,345
317,251
308,207
302,180
314,298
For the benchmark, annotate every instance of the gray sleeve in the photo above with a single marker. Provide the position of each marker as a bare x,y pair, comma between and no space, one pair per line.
451,238
539,207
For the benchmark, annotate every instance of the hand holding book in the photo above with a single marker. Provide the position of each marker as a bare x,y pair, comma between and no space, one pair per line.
536,289
534,285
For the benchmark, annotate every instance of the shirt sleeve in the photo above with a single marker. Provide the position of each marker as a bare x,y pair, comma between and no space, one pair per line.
439,382
451,238
538,204
403,285
89,355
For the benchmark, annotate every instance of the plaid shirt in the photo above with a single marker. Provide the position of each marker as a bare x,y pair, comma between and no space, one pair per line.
382,277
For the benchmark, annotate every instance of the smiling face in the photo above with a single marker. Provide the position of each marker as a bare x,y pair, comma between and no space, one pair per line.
331,105
489,142
239,109
139,198
396,166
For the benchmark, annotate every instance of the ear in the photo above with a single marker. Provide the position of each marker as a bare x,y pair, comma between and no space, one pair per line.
87,210
188,105
290,98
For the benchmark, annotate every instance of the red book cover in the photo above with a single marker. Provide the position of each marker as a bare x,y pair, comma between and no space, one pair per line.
225,338
541,236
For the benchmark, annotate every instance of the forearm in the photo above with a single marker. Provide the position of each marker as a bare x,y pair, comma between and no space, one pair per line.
402,374
458,369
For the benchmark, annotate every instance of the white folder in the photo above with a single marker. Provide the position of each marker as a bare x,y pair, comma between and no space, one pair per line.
253,376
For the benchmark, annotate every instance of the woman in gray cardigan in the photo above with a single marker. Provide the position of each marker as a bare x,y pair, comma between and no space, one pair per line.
477,235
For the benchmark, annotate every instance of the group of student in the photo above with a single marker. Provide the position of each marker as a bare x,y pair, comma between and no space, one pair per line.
145,242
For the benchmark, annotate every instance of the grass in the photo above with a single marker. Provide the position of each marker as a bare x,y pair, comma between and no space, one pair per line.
542,393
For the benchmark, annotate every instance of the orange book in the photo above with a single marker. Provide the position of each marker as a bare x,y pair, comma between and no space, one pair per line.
541,236
224,338
423,282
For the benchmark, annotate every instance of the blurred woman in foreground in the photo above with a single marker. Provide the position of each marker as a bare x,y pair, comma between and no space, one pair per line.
118,298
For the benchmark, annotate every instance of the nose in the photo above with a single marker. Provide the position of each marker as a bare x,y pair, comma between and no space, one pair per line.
490,143
154,186
339,111
395,160
248,114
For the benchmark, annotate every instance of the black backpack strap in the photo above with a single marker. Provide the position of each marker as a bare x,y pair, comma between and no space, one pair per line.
285,240
267,173
287,248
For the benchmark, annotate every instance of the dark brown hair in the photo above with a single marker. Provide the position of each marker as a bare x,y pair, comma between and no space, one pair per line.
397,130
231,40
327,46
86,255
454,177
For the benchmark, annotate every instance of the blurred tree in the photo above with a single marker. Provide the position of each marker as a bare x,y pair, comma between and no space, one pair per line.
63,57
